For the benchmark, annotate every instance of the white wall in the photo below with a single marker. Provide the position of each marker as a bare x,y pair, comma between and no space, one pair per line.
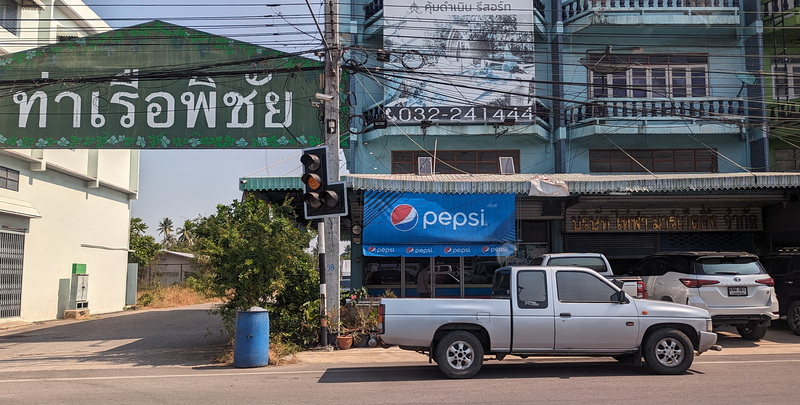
82,196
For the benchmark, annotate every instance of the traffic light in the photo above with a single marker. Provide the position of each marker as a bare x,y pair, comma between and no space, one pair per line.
321,198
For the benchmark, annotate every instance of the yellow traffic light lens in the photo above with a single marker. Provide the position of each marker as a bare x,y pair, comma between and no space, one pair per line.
312,181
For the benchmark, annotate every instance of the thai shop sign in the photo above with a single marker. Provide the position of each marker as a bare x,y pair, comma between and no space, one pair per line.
424,224
477,65
157,85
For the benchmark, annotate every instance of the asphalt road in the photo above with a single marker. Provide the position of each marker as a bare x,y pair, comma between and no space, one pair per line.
167,356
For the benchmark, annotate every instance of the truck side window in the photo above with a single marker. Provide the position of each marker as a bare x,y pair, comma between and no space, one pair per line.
578,286
501,287
531,289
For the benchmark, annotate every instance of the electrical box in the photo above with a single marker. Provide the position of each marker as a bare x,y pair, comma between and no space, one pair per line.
78,288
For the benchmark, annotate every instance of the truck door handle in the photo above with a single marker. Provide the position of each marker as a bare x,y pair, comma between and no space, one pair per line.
565,314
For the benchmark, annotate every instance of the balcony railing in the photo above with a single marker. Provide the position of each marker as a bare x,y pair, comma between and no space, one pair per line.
574,9
710,109
775,11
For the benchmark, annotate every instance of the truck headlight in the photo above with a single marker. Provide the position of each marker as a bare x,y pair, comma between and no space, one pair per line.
709,325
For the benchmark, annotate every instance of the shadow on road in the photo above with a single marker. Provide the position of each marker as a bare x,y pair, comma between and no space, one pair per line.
186,336
538,368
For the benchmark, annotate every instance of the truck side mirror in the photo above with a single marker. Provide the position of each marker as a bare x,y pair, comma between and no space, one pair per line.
619,297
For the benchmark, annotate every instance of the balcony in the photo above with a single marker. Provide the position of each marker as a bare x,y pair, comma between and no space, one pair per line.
706,111
587,14
781,13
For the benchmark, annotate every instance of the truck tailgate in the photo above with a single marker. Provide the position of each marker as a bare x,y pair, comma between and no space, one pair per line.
412,321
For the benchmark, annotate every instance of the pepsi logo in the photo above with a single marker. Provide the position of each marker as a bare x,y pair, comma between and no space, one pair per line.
404,217
371,249
410,250
485,249
448,250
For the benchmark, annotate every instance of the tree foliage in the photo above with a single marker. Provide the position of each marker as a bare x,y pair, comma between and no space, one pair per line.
253,254
145,249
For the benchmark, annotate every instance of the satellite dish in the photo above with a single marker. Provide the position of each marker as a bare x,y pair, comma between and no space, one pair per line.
747,78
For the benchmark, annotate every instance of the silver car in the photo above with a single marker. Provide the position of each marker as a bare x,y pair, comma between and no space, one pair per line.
732,286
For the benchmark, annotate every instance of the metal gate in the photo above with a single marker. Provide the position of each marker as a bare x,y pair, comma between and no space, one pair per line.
12,248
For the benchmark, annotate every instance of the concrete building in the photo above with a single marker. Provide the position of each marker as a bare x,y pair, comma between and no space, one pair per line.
621,127
60,207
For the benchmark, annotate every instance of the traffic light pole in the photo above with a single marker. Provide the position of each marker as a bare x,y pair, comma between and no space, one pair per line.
333,56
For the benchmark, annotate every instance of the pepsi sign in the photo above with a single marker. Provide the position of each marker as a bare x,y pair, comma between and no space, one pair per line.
414,219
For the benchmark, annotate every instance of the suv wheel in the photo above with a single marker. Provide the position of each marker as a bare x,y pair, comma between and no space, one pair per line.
752,330
793,317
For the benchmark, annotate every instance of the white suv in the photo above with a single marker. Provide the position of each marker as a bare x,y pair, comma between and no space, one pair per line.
731,286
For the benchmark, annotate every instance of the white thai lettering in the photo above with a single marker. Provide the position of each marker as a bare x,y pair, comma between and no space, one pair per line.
269,119
127,120
76,106
207,104
98,120
253,79
236,100
155,109
25,106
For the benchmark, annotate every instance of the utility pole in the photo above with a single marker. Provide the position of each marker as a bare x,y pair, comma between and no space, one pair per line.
333,57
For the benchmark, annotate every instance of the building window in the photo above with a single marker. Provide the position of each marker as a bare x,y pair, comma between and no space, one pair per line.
9,15
455,161
651,76
654,160
9,178
787,160
786,79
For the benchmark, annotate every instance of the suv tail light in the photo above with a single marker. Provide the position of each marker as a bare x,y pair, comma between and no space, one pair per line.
767,281
640,291
697,283
381,311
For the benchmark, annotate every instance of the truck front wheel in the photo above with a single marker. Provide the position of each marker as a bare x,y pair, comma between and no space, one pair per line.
459,354
668,351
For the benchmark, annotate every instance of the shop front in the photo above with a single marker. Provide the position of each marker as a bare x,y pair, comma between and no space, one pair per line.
627,228
436,245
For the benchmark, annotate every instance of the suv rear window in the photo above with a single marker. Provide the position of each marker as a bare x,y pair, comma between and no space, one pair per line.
732,266
594,263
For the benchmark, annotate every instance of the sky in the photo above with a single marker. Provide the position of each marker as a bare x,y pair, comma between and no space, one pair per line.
186,184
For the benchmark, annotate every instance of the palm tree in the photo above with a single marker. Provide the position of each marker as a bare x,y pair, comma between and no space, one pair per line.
185,233
138,226
165,229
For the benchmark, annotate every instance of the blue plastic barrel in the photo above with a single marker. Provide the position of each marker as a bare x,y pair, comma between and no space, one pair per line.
251,342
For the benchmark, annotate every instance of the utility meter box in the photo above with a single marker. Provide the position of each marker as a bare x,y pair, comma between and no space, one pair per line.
78,305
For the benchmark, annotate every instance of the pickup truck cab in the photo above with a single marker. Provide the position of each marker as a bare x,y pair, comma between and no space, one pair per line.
632,285
547,311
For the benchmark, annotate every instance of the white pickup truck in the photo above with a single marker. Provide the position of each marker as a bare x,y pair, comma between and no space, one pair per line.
547,311
632,285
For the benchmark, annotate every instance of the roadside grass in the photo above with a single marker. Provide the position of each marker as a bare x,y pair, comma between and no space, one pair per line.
176,295
179,295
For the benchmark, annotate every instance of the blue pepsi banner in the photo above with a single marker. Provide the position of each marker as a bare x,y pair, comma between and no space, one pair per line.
492,250
424,224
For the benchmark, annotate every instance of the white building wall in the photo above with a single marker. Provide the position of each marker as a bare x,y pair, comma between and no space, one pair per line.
81,198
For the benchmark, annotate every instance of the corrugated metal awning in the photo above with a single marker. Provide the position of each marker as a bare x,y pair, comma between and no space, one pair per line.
577,183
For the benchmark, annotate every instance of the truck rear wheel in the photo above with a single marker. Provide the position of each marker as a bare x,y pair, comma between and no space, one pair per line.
668,351
459,354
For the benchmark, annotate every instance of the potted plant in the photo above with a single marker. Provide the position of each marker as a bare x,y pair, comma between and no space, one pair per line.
357,317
